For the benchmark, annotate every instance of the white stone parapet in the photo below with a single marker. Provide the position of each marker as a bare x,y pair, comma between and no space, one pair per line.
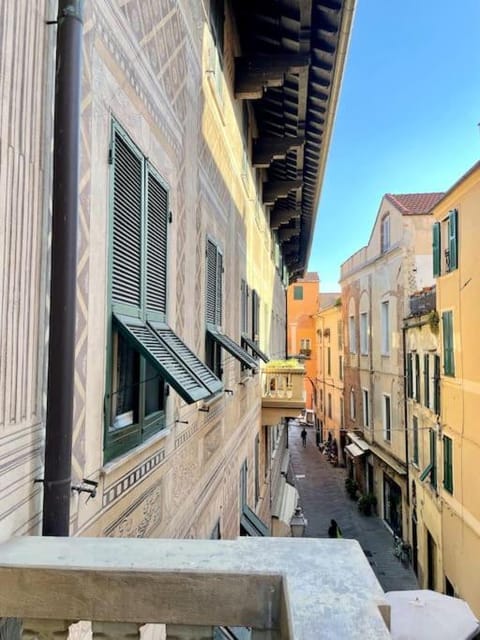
285,588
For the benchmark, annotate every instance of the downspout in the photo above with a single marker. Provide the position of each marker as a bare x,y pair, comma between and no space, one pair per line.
61,349
405,411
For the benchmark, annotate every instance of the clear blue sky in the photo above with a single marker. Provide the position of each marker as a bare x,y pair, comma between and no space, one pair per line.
406,120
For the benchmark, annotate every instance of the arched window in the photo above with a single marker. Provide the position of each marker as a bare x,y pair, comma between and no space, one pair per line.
385,233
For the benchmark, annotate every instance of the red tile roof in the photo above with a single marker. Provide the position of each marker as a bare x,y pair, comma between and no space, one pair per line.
411,203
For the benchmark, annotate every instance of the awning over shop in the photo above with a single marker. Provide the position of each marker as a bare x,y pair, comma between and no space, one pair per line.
251,525
358,441
389,460
353,451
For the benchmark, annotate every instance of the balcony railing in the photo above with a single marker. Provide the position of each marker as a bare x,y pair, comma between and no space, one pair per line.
281,588
283,393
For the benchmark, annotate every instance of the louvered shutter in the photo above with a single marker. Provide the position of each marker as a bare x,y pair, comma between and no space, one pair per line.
436,387
255,315
409,375
127,224
219,297
157,224
243,305
211,310
448,361
426,379
417,377
452,240
436,249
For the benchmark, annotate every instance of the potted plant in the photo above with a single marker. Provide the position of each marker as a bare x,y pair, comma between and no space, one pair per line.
351,487
367,504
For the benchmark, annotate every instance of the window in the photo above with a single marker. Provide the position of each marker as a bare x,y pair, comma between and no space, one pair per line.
257,468
430,470
409,375
255,317
243,489
417,377
445,239
364,334
329,361
351,334
415,439
352,404
297,292
340,334
436,384
216,51
387,418
340,367
426,380
215,338
305,346
385,233
244,306
329,405
143,352
385,329
342,414
366,417
447,465
448,354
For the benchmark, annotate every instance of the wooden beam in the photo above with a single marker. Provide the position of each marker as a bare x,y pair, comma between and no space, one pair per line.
287,234
267,149
282,216
278,189
254,74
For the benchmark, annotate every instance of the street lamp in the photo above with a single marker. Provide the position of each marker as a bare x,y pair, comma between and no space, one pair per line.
298,523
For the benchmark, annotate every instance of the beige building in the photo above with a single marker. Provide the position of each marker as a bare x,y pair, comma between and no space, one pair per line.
329,329
454,459
376,284
200,164
422,413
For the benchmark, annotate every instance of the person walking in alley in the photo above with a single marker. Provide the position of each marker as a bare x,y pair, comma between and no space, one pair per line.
304,437
334,530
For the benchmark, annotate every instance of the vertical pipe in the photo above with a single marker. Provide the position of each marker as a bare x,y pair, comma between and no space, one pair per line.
61,350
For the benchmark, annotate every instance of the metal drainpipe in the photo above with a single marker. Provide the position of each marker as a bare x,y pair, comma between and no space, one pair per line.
61,350
405,411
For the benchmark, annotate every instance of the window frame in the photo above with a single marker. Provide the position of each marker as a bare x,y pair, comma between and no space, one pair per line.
352,342
353,412
298,292
366,408
415,441
448,344
448,464
385,319
364,333
387,417
385,230
213,349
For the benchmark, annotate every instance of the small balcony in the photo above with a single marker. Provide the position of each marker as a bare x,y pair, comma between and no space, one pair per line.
283,394
112,588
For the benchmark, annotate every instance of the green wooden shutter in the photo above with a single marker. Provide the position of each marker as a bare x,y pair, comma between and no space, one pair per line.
447,464
157,223
426,379
417,377
255,315
433,458
409,375
448,357
436,249
436,378
219,290
211,301
127,223
452,240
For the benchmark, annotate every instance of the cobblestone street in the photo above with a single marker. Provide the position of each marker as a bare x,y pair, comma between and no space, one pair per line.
323,497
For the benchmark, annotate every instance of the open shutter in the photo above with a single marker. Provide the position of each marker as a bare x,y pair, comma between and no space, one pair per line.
433,458
436,249
219,288
211,310
127,223
452,240
417,377
409,375
157,224
436,386
448,361
426,379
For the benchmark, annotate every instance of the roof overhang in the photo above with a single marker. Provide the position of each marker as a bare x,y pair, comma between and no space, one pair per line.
290,69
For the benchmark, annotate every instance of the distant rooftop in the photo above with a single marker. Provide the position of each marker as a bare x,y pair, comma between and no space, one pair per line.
310,276
414,203
328,299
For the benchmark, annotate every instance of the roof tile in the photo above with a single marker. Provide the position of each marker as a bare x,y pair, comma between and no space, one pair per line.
414,203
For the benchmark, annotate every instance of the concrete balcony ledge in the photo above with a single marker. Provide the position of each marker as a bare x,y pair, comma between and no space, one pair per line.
283,394
299,589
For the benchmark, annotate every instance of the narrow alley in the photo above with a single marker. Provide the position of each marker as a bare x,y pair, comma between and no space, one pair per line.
323,497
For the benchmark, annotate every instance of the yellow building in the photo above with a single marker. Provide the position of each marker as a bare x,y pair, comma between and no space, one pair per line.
455,240
329,329
422,409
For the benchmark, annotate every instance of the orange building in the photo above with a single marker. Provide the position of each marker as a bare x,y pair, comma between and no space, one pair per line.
302,304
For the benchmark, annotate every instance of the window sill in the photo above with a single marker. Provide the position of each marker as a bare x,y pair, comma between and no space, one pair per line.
123,458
